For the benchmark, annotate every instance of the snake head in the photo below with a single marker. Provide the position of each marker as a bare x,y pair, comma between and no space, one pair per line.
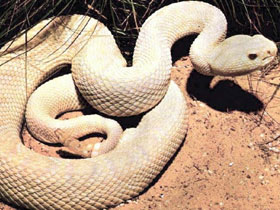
242,54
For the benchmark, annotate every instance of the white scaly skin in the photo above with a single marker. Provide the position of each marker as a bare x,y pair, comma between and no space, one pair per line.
144,84
38,182
67,132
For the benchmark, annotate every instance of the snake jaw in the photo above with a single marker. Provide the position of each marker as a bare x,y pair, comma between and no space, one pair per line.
268,60
272,54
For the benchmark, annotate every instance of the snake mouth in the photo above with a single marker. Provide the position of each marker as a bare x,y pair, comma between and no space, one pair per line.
270,56
269,59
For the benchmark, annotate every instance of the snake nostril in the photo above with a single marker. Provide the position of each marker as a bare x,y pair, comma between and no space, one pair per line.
268,52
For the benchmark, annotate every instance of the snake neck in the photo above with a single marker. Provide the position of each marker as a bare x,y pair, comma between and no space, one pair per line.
160,31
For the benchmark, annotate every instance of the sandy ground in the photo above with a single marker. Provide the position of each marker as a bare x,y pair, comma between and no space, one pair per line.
230,157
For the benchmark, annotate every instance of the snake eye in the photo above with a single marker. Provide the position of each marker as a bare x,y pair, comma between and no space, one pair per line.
252,56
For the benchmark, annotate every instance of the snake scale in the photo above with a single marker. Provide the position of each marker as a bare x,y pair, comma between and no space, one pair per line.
33,181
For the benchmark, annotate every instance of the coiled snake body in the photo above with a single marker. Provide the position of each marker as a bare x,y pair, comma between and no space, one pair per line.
39,182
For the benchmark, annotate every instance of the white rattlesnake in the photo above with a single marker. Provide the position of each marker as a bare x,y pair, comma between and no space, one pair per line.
38,182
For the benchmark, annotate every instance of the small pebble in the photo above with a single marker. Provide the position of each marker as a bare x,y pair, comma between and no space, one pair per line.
210,172
251,145
202,105
266,169
274,149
